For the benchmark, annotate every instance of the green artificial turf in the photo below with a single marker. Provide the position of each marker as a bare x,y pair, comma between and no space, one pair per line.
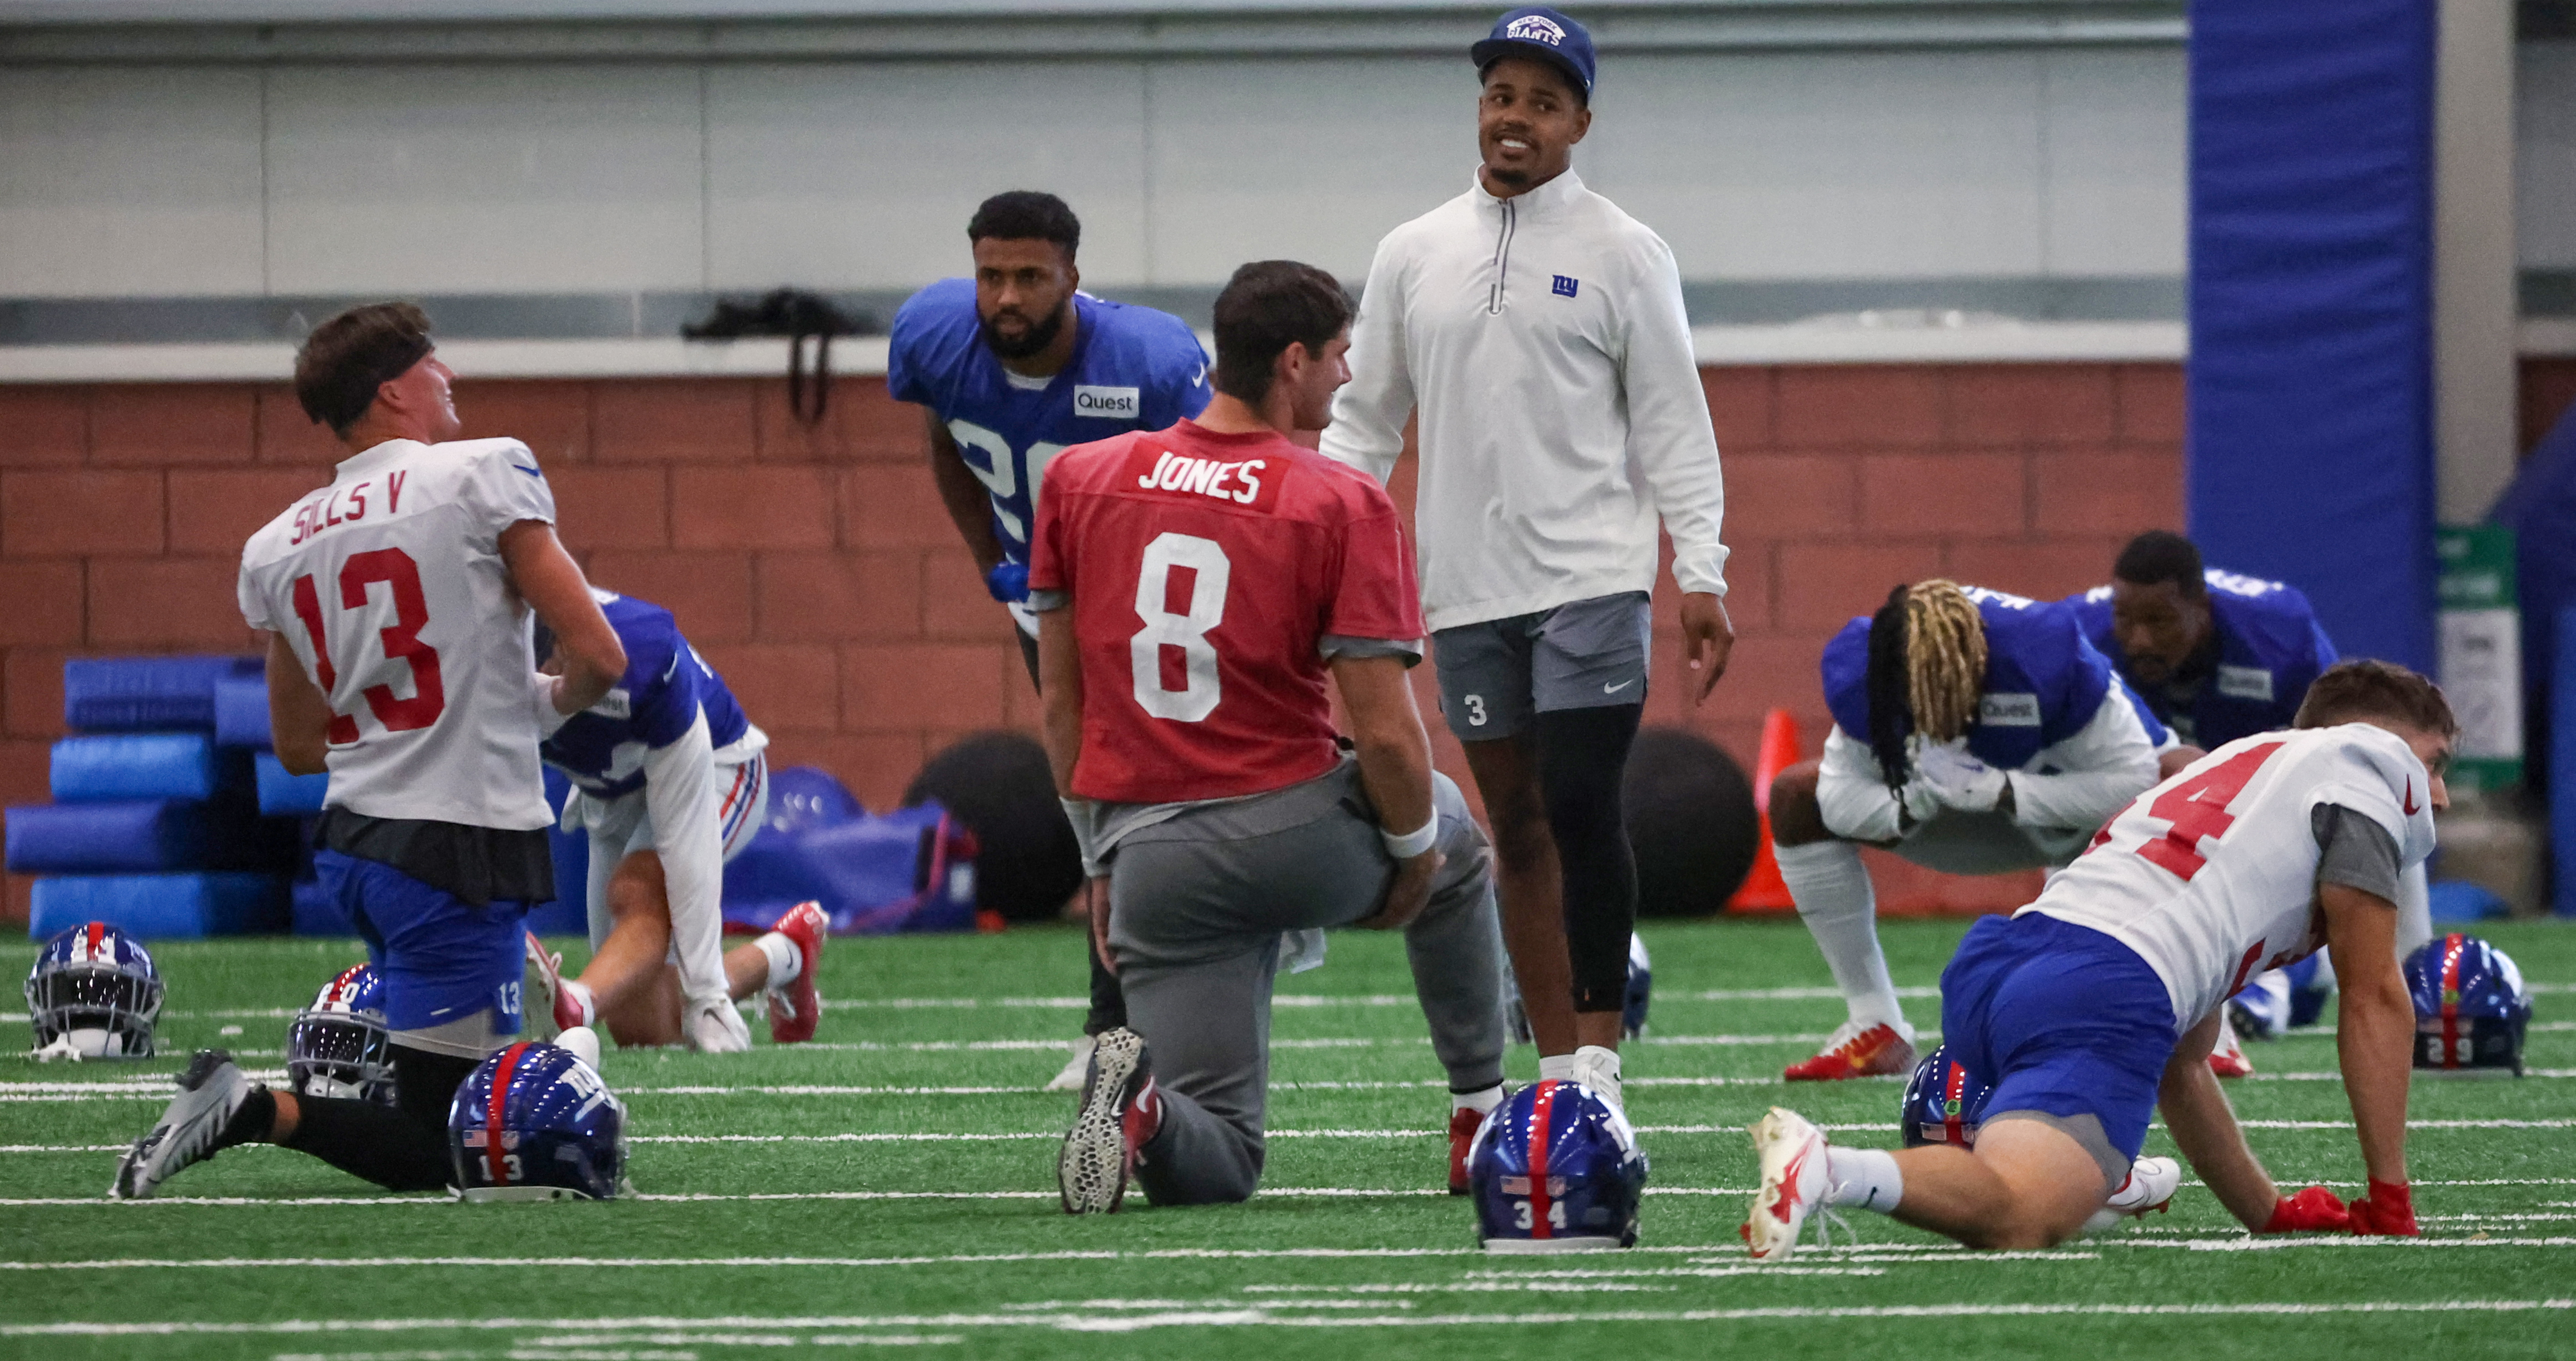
757,1245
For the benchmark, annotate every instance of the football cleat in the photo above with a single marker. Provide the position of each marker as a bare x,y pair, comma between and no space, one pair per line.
189,1131
535,1122
1463,1124
1854,1050
339,1047
713,1027
1556,1169
1597,1069
2261,1009
794,1010
93,994
1792,1154
1069,1077
1121,1112
2227,1057
566,999
2148,1189
1944,1102
2471,1008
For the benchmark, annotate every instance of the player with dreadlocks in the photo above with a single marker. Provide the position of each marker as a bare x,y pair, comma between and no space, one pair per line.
1974,732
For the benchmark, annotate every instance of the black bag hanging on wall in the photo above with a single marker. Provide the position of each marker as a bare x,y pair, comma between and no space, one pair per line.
797,315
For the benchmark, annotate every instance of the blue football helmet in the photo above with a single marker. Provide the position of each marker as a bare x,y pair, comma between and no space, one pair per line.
1944,1103
2470,1006
339,1047
93,994
537,1123
1632,1007
1556,1169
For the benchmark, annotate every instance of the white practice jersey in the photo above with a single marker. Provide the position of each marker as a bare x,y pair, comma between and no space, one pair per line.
389,585
2212,876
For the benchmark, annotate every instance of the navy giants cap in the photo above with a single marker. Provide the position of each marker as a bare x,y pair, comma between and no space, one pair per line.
1543,33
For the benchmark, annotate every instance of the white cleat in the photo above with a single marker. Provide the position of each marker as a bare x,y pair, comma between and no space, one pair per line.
1792,1153
715,1028
1598,1069
583,1043
210,1092
2149,1190
1070,1079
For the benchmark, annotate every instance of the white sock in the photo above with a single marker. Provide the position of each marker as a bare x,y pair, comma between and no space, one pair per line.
579,992
1556,1068
1834,898
785,960
1866,1177
1482,1103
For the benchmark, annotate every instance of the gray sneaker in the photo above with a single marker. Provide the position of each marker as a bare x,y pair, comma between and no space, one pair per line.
210,1093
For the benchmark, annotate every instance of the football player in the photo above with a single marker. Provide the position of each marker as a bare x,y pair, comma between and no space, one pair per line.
1203,594
670,780
2095,1006
1974,732
1012,366
397,602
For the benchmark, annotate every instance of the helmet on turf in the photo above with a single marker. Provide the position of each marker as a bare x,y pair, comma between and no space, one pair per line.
1556,1169
1641,989
339,1047
536,1123
93,995
2470,1006
1944,1103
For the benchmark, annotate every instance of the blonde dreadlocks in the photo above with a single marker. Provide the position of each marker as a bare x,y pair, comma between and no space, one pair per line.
1927,666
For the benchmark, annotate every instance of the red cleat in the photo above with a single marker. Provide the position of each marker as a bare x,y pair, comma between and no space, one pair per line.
1463,1124
569,1003
2227,1057
795,1008
1878,1051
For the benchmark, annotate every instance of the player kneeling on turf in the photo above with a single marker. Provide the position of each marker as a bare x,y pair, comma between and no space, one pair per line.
2093,1006
1195,588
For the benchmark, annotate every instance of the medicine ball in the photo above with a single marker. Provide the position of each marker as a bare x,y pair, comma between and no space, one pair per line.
998,784
1691,823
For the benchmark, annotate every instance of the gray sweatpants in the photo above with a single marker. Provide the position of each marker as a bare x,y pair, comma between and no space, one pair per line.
1197,903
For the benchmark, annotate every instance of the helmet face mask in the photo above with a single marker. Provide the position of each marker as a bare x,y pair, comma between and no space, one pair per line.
339,1046
2471,1008
94,994
553,1131
1556,1169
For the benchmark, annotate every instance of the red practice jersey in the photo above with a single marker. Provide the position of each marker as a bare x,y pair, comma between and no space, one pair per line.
1206,573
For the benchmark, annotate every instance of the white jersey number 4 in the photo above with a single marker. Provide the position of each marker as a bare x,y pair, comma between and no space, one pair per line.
1206,561
2197,811
395,569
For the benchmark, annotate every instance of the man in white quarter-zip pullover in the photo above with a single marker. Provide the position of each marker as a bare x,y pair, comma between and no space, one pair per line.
1538,333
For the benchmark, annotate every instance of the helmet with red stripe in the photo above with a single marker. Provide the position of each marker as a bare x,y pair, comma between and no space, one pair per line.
1944,1103
2470,1007
537,1123
1556,1169
339,1047
93,994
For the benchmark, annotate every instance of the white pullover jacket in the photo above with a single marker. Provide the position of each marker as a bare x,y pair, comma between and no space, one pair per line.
1542,340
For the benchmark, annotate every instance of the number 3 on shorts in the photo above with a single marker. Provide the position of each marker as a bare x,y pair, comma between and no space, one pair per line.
1475,709
1206,561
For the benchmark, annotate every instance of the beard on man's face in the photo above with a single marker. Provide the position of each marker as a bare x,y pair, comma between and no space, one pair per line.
1038,336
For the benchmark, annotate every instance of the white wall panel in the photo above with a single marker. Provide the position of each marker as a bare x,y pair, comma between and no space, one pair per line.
129,181
538,179
1826,165
1304,160
863,175
2116,165
2544,94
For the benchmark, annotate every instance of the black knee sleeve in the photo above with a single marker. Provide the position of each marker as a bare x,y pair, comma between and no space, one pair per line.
400,1148
1582,756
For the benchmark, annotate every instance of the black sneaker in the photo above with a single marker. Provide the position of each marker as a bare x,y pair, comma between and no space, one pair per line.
190,1131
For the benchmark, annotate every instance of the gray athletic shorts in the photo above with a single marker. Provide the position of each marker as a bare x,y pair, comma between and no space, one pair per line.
1586,654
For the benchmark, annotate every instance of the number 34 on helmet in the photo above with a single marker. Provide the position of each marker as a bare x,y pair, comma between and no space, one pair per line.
1556,1169
537,1123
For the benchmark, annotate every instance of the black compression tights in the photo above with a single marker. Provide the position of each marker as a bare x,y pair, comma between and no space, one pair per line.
1582,754
400,1148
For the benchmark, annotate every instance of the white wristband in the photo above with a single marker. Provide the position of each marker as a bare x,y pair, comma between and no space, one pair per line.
549,719
1412,843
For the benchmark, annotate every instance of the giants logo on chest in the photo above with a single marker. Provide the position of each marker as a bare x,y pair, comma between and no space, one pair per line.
1250,482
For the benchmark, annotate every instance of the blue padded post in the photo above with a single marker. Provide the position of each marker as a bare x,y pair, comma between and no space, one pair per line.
2562,764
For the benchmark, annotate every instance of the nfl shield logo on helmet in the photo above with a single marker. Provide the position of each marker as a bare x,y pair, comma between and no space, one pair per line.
93,994
537,1123
1556,1169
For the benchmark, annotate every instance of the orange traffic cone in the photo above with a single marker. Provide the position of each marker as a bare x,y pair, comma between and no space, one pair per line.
1762,890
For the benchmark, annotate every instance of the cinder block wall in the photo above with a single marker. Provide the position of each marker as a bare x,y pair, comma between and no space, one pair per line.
817,570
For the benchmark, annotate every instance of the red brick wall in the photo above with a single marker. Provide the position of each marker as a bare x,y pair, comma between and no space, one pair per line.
2548,389
818,571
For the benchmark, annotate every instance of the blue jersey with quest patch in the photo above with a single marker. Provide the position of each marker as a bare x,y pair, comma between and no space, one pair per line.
651,706
2270,647
1133,368
2044,682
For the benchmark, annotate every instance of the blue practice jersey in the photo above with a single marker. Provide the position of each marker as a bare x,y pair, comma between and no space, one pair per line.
1133,368
2044,682
663,691
2270,648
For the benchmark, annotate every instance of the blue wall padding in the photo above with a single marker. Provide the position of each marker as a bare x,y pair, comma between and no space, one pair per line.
161,765
2562,764
133,694
161,906
241,712
284,795
132,837
2310,438
2539,506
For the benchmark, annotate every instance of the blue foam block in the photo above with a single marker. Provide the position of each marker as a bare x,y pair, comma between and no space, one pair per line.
161,765
2460,901
134,694
284,795
132,837
161,906
241,712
